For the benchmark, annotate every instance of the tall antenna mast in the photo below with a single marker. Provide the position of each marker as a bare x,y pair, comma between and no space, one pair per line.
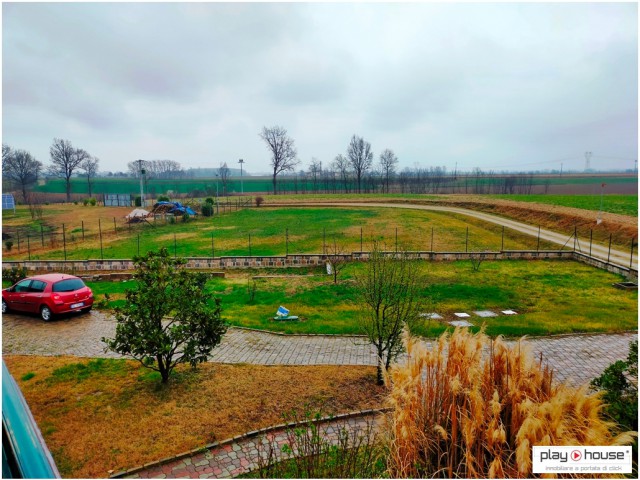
587,163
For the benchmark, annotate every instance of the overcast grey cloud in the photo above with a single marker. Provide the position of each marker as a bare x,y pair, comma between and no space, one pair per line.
477,85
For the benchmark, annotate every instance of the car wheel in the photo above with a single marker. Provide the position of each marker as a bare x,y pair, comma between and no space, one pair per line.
45,313
86,310
5,307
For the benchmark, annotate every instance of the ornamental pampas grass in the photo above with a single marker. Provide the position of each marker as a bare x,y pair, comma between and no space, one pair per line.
472,407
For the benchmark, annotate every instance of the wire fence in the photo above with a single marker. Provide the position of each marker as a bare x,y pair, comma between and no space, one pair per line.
189,237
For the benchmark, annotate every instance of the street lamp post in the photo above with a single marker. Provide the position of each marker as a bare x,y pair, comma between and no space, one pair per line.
142,172
241,161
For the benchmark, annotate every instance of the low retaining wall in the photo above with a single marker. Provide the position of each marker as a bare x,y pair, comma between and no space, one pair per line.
81,267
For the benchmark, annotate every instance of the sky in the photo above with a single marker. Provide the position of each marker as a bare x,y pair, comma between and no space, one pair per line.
500,86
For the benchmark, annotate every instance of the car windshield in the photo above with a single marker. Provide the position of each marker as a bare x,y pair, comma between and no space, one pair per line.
68,285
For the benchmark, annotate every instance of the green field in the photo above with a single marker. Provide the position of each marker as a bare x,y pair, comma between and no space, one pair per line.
551,297
621,204
277,231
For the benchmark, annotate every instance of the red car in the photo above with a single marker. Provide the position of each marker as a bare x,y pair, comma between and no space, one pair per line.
48,295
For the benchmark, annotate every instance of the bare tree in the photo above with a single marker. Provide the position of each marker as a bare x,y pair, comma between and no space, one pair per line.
342,166
336,259
65,160
315,170
6,152
284,155
90,168
20,168
360,156
223,172
388,162
389,290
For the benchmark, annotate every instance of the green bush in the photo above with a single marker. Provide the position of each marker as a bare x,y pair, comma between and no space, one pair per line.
186,217
163,198
93,202
138,201
207,210
9,245
620,392
209,200
85,202
14,274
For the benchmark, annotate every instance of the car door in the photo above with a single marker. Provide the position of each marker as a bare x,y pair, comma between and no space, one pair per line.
33,299
16,298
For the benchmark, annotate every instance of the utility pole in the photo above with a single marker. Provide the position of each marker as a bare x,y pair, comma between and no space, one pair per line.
142,172
241,161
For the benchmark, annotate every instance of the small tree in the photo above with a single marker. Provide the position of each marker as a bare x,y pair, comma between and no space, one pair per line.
336,259
389,290
283,151
166,320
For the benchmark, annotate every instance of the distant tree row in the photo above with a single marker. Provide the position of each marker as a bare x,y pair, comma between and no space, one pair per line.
22,170
358,161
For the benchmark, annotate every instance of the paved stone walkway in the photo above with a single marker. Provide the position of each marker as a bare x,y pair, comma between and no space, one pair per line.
575,358
230,459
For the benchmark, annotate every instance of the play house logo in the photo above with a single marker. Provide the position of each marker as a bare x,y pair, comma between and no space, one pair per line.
582,460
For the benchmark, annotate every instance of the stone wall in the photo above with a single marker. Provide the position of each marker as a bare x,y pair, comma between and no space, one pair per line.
310,260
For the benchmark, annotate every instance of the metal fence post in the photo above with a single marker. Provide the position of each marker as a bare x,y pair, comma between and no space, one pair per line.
431,239
138,244
502,242
286,241
396,239
590,240
175,246
466,241
83,230
361,239
115,230
609,255
630,262
64,242
213,251
250,245
18,233
538,246
42,235
29,248
100,231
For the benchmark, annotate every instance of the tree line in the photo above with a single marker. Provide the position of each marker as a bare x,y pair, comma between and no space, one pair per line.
22,170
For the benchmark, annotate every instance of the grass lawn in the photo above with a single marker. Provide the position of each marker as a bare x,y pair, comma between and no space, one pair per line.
276,231
551,297
621,204
101,415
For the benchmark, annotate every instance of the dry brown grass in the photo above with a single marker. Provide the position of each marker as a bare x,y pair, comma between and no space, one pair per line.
459,413
121,419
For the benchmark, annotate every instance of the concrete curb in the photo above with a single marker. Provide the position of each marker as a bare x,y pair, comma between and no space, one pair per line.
245,436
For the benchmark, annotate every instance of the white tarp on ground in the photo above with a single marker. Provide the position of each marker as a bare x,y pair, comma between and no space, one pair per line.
138,212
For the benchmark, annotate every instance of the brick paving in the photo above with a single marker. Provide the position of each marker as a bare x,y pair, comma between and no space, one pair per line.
232,458
575,358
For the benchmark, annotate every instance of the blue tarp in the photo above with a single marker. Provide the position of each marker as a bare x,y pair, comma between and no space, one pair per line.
177,208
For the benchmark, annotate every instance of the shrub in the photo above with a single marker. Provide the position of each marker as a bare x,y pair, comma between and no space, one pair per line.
138,201
308,452
9,245
259,201
163,198
93,202
620,394
459,412
14,274
186,217
85,202
209,200
207,210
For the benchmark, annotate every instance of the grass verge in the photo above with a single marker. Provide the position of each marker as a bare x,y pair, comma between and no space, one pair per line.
102,415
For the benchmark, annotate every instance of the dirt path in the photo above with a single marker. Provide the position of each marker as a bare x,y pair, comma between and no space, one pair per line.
599,251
